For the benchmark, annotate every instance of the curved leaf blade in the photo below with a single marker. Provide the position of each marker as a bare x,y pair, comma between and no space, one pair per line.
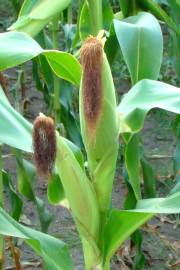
122,223
65,66
49,10
14,129
120,226
27,7
17,48
53,251
160,13
144,96
15,201
35,15
169,205
133,165
141,42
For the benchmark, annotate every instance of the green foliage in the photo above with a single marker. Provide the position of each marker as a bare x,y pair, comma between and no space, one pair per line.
15,130
63,64
135,35
160,205
157,11
121,224
55,191
149,179
19,48
26,177
87,24
175,38
15,201
53,251
34,15
142,97
133,165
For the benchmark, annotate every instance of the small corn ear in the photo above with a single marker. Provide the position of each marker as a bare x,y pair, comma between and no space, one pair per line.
98,118
44,144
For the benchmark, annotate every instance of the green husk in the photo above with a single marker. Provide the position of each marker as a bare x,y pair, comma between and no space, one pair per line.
100,135
82,200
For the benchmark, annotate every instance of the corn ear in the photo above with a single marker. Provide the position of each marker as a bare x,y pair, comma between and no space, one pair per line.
82,200
98,118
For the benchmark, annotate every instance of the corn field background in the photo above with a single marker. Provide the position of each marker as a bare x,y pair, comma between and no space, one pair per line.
23,86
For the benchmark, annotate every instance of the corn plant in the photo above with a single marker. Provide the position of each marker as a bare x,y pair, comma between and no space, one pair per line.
88,188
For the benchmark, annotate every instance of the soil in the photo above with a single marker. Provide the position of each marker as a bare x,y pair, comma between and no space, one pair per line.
161,244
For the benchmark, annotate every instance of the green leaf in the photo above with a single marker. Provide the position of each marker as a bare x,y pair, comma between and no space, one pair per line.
15,201
45,216
34,15
55,190
139,258
111,45
27,7
14,129
159,13
176,155
107,14
129,7
149,179
175,39
162,2
26,178
84,22
17,48
174,11
54,252
133,165
64,65
120,226
130,199
84,19
142,97
125,6
48,9
169,205
141,42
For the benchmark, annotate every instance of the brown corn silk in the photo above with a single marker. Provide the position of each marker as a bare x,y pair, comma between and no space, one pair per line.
44,144
91,60
98,119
